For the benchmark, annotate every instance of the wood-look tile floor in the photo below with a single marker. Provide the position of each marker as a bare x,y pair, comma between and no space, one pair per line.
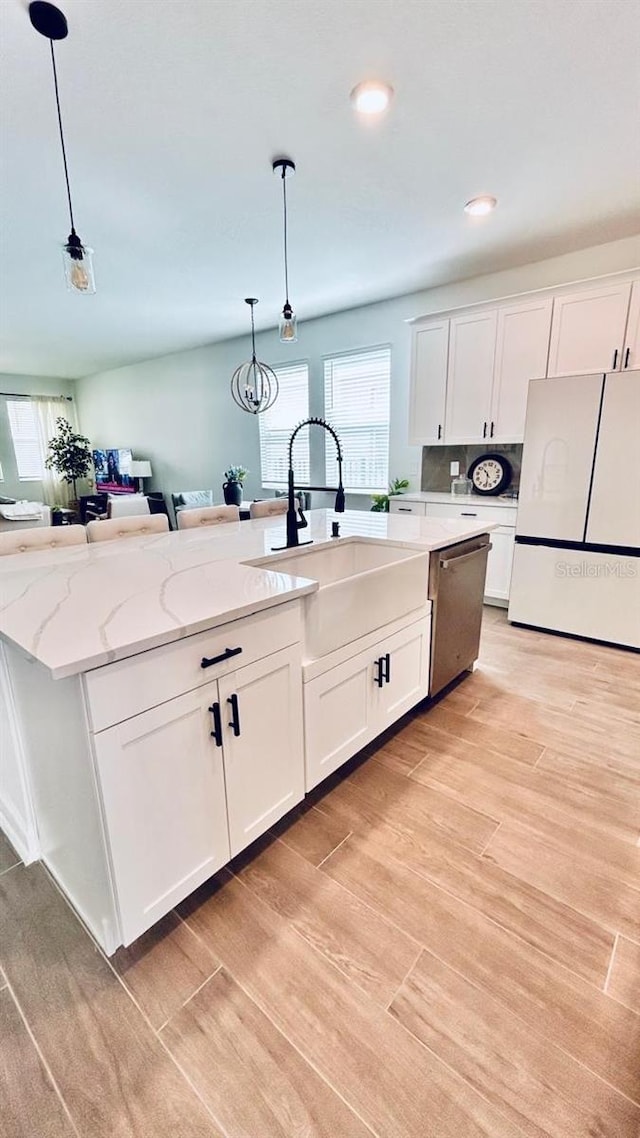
444,943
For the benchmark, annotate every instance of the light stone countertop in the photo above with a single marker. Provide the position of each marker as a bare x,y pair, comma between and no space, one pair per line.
447,498
79,608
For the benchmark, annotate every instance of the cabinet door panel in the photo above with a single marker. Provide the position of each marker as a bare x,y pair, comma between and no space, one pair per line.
162,783
522,348
337,714
264,763
587,330
428,383
614,508
499,563
472,343
631,355
408,674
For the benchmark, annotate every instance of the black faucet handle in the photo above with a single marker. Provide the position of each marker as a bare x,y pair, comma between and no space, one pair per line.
301,521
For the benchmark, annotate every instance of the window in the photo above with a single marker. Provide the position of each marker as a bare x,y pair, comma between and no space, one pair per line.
356,403
23,424
277,423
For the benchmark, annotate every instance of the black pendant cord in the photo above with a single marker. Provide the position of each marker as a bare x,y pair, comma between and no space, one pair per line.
286,255
253,336
64,152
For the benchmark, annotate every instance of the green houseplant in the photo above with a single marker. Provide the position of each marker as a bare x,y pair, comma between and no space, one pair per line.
380,502
232,488
69,454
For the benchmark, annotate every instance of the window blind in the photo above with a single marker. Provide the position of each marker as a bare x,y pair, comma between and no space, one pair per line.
276,426
356,401
26,441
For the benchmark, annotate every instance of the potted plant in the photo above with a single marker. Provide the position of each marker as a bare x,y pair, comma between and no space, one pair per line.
232,488
380,502
69,454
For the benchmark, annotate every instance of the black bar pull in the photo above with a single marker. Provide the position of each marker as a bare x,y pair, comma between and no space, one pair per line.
626,357
615,360
387,668
484,431
217,724
226,655
439,430
467,514
234,722
379,664
491,431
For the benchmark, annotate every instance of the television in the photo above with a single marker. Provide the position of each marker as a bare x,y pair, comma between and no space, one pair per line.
113,471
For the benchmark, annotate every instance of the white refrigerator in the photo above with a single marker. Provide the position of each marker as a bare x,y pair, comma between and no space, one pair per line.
576,566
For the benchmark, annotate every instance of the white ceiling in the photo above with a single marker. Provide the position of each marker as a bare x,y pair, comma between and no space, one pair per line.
174,111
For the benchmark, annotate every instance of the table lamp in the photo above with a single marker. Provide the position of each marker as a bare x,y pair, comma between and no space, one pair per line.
140,469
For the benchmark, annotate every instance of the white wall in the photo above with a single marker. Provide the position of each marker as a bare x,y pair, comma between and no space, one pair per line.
12,487
177,410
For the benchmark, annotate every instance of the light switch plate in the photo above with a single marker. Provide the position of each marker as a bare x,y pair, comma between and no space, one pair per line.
454,469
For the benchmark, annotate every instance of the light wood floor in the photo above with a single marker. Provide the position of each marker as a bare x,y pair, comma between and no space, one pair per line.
445,944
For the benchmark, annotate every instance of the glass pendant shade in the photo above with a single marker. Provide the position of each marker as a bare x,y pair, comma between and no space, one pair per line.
288,326
78,266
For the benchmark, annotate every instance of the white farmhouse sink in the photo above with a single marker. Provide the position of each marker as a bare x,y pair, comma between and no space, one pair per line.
363,586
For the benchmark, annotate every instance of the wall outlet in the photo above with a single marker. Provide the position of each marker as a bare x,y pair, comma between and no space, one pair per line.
454,469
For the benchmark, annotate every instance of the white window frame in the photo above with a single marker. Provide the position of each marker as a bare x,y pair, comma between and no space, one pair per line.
23,444
329,452
303,472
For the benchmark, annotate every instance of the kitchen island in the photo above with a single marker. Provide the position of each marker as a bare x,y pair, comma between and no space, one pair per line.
165,700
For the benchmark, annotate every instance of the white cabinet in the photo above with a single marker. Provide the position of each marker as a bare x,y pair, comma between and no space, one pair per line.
499,563
472,343
587,330
522,348
400,505
631,353
162,785
350,704
188,784
261,709
428,382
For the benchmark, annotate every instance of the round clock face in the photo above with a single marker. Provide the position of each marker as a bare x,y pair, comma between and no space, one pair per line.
490,474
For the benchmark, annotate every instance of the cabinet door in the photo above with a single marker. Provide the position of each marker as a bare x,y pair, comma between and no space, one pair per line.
261,708
162,784
337,715
428,382
472,344
522,347
405,674
614,506
499,563
402,505
631,354
587,330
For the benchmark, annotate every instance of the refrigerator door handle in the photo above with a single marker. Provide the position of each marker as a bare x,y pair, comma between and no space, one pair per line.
615,360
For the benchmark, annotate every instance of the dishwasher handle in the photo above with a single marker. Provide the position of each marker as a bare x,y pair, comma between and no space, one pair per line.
465,556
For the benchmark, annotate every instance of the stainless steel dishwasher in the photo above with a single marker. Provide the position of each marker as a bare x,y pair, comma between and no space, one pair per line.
456,589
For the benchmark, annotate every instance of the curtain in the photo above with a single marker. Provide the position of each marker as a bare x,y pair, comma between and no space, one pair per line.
48,408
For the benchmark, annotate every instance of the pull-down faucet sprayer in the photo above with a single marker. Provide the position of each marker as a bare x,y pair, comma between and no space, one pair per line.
295,518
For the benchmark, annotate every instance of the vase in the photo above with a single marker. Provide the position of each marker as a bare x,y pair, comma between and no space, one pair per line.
232,491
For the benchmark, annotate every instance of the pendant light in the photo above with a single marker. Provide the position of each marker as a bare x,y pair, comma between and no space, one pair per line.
288,324
51,23
254,385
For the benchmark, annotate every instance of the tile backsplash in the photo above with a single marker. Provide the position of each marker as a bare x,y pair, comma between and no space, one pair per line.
435,463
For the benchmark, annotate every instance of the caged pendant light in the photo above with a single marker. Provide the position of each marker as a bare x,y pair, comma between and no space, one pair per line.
254,385
51,23
288,323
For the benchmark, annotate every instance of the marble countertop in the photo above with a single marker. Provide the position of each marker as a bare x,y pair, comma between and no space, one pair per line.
447,497
79,608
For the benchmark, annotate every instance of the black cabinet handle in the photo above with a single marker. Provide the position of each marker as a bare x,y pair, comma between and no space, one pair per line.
234,722
484,431
491,432
615,360
439,430
387,668
217,724
626,357
379,664
467,515
226,655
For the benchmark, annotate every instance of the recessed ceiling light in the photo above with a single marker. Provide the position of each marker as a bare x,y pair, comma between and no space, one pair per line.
478,207
371,97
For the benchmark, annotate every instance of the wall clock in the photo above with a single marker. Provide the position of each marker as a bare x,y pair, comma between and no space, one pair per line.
490,474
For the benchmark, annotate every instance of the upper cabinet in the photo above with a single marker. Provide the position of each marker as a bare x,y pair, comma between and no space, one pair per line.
522,348
472,345
587,331
631,353
428,382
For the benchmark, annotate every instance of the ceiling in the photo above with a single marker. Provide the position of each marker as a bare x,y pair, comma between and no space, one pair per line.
174,111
